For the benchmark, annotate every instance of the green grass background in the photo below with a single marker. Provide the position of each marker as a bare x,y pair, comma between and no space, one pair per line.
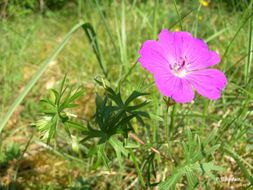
121,27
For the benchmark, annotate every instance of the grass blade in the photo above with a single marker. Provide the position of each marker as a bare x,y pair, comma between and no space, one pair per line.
88,28
241,162
102,16
233,39
250,47
89,31
215,35
142,182
178,14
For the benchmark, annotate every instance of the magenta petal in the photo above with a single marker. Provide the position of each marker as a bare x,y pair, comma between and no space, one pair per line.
203,59
152,57
208,82
199,56
175,43
177,88
182,44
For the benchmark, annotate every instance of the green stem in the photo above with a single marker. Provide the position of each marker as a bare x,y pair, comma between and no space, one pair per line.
195,31
155,20
250,47
127,74
167,124
172,119
21,157
137,168
179,16
169,127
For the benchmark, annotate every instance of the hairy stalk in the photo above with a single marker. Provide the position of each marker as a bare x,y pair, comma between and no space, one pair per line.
172,119
137,139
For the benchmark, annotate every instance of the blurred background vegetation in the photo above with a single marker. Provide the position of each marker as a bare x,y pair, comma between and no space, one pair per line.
15,8
31,29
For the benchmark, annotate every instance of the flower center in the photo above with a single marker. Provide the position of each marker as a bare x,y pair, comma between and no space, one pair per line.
179,68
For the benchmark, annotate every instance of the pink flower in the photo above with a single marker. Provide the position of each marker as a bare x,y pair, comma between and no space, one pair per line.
179,63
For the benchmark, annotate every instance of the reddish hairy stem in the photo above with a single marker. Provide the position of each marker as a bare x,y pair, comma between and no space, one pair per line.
137,139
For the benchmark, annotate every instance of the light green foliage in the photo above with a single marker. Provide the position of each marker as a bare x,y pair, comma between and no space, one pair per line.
12,152
56,113
195,153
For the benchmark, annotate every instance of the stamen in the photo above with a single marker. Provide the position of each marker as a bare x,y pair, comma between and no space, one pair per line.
180,68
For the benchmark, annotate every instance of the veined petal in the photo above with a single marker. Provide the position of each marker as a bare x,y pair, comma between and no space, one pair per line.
153,57
183,45
208,82
175,43
199,56
177,88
